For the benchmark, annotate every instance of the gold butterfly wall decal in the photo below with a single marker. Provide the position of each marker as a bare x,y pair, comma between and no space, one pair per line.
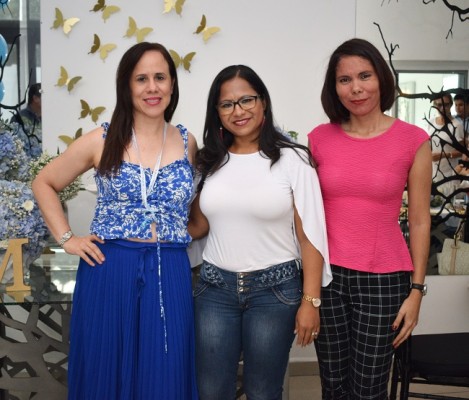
93,112
184,61
66,24
68,140
103,49
207,32
140,34
64,80
106,11
173,5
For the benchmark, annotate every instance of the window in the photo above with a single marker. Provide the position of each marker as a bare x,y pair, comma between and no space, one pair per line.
417,78
21,17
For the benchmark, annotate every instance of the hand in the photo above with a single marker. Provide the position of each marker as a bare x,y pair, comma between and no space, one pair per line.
306,324
84,247
407,317
461,169
436,156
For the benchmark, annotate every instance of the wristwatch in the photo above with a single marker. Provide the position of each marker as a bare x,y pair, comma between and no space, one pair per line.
418,286
316,302
66,236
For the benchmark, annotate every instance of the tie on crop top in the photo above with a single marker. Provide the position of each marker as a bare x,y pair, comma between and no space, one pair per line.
120,213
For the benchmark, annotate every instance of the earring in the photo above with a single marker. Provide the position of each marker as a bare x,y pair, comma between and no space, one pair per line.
220,132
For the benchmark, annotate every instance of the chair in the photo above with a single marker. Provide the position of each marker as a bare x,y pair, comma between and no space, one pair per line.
433,359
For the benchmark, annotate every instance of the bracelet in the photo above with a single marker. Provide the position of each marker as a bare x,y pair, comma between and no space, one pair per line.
66,236
316,302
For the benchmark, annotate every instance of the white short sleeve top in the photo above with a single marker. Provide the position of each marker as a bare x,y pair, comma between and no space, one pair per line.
249,206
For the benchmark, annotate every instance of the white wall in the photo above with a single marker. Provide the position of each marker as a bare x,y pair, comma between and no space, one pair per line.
446,306
420,30
287,43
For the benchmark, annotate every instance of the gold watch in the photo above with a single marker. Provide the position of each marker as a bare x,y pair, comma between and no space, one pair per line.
315,301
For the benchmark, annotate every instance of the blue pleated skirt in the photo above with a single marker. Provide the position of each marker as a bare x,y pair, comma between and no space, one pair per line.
132,326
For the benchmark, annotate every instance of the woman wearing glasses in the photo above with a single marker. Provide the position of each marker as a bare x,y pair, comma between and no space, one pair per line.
259,195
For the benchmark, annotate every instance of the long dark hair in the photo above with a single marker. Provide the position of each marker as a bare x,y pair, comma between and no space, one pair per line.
217,139
120,129
334,109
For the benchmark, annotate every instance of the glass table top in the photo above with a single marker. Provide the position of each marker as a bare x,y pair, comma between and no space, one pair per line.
52,280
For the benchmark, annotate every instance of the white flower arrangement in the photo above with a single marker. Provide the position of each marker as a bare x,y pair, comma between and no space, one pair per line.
28,205
21,159
19,214
66,194
21,218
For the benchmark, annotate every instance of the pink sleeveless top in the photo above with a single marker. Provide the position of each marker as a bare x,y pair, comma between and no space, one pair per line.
362,181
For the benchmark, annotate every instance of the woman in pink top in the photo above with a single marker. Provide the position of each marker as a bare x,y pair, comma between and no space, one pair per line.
365,159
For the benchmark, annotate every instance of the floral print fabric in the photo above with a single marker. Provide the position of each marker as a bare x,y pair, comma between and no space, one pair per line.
120,213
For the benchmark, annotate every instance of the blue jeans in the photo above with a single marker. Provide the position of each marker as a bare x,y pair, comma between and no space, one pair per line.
252,313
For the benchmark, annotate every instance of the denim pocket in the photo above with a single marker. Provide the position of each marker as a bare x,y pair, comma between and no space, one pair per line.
289,292
200,288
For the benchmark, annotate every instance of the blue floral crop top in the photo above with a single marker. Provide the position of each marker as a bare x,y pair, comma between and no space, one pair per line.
120,213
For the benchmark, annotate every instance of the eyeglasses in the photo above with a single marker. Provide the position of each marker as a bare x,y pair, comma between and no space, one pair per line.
246,103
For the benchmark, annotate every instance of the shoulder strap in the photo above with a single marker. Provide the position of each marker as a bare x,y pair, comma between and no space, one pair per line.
185,138
105,126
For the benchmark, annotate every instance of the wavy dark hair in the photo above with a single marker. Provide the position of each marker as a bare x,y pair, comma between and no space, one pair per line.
120,130
217,139
334,109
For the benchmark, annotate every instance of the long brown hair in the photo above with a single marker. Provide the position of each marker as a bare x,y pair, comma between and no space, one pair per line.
120,129
217,139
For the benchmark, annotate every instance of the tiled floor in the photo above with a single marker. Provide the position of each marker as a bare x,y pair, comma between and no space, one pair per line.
304,384
309,388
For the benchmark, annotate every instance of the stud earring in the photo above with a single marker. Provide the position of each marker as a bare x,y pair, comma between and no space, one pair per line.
220,132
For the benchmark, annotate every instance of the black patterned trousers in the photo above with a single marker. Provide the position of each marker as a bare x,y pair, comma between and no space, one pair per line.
354,346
